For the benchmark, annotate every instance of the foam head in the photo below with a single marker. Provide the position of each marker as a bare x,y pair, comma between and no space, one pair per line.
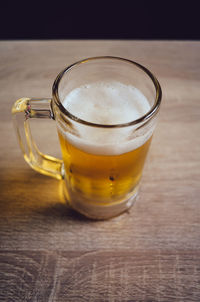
108,104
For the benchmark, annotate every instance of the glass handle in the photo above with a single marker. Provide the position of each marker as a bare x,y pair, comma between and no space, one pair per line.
22,111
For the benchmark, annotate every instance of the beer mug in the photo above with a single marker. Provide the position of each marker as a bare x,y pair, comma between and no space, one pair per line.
105,109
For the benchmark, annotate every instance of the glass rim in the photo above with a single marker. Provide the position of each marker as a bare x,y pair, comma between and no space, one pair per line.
143,119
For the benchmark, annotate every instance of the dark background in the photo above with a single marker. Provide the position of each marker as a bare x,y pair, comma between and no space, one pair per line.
100,20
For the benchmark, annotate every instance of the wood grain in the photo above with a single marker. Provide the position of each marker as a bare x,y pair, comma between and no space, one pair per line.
100,276
50,253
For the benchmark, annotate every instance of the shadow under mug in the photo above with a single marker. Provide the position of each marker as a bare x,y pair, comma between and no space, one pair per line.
101,176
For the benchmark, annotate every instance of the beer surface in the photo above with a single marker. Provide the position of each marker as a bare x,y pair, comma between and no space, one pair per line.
108,104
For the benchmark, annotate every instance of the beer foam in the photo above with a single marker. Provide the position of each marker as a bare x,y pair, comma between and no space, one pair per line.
108,104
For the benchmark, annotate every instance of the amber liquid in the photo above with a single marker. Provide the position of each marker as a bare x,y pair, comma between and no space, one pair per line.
102,179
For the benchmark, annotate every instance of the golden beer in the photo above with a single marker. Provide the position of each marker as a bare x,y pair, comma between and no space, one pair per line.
102,179
103,166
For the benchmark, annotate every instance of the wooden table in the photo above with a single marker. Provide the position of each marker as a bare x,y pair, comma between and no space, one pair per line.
152,253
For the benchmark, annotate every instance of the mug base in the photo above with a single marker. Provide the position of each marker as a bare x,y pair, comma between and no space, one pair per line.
100,212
